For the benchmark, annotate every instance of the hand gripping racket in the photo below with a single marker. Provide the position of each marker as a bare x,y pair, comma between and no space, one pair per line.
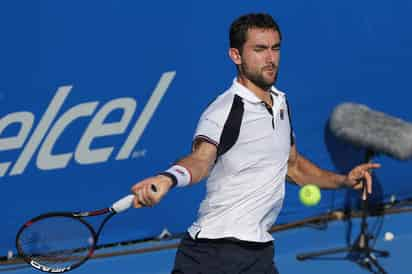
57,242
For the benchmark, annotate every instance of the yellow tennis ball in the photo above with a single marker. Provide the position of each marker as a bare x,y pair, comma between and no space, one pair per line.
309,195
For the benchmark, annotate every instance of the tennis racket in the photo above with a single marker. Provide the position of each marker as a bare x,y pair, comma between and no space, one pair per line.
57,242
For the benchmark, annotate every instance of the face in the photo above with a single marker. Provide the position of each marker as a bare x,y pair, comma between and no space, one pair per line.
259,60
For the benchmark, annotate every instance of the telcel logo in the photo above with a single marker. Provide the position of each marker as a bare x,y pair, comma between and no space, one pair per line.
83,153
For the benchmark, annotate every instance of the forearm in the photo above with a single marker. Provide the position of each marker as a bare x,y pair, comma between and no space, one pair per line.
305,172
198,167
199,162
191,169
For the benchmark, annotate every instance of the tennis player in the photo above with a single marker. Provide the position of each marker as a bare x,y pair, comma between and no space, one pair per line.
244,143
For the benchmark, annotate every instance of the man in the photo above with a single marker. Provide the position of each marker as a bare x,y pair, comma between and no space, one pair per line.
245,143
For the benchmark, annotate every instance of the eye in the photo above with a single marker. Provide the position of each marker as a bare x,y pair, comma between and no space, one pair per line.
276,47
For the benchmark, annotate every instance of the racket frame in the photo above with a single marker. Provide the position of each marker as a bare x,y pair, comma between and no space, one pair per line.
78,216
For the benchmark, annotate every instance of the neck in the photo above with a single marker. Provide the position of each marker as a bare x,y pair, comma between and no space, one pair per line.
263,94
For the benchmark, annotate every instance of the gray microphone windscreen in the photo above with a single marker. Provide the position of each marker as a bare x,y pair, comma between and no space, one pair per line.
373,130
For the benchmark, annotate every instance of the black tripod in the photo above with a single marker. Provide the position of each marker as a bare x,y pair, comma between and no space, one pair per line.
360,251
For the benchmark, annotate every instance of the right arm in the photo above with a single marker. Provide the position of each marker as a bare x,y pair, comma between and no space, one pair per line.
198,163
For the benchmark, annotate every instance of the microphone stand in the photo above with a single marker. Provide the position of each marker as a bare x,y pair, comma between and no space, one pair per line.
360,252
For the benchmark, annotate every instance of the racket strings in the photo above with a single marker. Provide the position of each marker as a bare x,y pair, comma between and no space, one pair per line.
56,242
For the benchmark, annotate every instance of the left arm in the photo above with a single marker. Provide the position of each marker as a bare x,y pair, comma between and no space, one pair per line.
302,171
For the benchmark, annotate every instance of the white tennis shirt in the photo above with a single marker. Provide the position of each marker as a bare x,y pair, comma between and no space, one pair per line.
246,187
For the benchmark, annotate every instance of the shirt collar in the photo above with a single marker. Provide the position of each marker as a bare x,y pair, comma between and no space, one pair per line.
247,94
276,92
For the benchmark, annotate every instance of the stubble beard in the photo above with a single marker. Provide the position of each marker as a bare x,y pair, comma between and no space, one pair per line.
257,78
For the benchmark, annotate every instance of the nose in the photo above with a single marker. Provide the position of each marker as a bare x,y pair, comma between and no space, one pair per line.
272,56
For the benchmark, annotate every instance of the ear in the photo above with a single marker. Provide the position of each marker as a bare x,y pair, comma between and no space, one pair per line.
235,56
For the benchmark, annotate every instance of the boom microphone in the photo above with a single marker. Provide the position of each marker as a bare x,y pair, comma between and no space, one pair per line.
373,130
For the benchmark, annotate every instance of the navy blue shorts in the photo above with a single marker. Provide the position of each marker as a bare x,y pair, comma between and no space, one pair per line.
223,256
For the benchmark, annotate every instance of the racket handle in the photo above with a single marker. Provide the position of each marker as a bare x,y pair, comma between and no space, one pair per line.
123,204
127,201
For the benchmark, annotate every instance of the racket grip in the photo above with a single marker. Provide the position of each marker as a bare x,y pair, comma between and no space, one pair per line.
123,204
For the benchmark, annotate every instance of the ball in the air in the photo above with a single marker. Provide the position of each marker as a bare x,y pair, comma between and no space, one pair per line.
309,195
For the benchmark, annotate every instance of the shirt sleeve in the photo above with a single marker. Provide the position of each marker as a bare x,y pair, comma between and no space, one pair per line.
208,130
211,125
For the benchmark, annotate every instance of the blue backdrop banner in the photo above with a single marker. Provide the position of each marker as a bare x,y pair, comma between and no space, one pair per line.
97,95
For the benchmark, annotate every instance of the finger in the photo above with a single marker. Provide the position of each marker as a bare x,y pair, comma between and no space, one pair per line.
153,195
370,166
147,196
140,198
136,187
136,203
357,185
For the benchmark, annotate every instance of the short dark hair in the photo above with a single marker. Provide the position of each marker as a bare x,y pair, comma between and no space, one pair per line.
239,27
